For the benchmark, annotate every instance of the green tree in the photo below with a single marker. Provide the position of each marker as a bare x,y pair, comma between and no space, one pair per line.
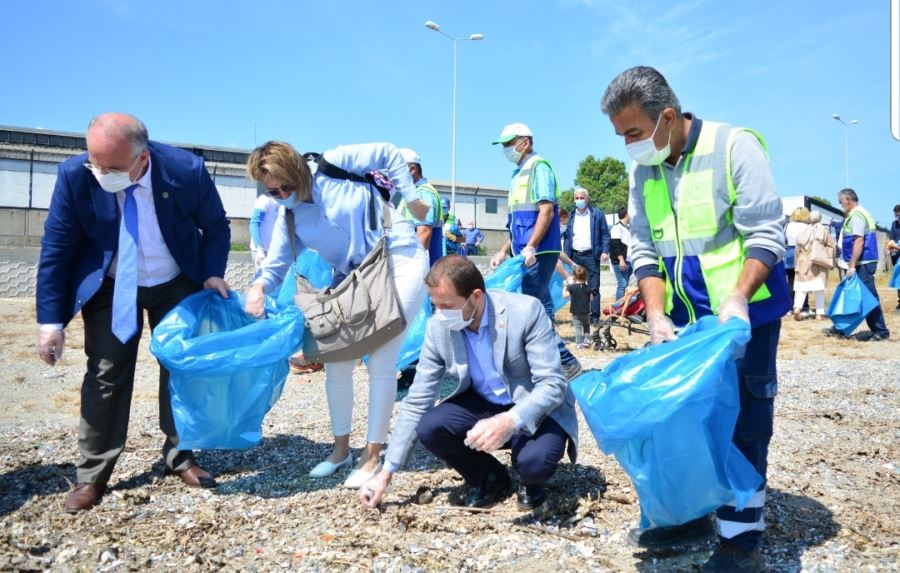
606,181
822,199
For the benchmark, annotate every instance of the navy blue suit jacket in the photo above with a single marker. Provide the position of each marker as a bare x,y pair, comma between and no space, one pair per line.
599,232
81,234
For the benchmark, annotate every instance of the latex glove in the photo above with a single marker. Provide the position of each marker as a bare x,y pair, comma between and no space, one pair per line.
371,492
734,305
490,434
418,208
50,345
255,301
851,271
259,256
217,283
661,328
498,259
530,257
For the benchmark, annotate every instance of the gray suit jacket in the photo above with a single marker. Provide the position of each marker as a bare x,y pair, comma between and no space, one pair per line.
526,355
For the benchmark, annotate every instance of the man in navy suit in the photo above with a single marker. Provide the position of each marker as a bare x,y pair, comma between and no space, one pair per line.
586,242
133,225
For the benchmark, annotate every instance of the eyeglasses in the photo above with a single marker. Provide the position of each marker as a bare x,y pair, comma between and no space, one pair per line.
284,188
91,167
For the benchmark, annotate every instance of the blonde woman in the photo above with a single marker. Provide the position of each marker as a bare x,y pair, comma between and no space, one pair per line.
811,278
331,216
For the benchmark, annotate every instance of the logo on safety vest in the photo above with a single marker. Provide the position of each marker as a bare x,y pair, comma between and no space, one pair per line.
657,234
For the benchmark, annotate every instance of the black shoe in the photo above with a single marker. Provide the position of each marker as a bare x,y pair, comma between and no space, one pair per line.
665,537
832,331
530,497
494,488
731,558
871,336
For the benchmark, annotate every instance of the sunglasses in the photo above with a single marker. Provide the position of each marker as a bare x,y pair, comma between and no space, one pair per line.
284,188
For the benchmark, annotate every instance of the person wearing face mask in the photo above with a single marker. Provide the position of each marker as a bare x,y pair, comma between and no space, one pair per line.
133,225
894,247
332,216
429,228
533,224
510,392
474,239
453,236
706,238
586,243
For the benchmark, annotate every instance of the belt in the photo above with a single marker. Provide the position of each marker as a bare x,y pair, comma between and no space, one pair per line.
587,252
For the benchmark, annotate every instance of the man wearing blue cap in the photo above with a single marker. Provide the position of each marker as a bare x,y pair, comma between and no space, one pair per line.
452,234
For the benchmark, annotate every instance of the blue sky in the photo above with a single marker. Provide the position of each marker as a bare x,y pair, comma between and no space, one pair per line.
319,74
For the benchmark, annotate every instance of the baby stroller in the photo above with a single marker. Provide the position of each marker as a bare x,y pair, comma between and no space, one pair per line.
627,313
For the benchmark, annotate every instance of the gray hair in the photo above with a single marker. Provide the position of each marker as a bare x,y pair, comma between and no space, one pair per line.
641,85
815,217
849,194
125,126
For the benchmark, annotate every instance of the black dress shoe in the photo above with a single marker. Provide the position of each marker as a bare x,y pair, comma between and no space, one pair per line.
666,537
729,558
494,488
530,497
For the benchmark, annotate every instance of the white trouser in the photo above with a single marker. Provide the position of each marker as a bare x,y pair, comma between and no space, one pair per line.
800,296
409,265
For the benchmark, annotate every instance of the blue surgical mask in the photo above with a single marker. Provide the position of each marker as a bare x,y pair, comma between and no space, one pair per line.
292,201
580,203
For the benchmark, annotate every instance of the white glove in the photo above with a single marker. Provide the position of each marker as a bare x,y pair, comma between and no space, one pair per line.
661,328
734,305
498,259
490,434
50,345
255,301
851,271
259,256
530,258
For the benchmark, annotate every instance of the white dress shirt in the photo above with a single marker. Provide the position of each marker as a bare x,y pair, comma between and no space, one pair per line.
581,231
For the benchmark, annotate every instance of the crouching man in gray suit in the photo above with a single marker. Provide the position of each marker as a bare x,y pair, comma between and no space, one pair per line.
511,393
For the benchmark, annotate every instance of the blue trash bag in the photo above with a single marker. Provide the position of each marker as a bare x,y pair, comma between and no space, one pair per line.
895,278
507,276
227,368
557,288
850,304
415,337
667,412
310,265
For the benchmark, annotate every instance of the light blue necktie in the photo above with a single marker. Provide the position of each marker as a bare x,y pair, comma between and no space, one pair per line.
124,317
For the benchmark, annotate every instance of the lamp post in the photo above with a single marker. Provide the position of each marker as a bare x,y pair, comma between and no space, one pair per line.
432,26
846,125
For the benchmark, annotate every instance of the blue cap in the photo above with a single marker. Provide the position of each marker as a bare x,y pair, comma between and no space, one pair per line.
445,203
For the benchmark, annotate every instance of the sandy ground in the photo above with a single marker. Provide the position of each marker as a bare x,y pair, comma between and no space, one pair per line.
834,486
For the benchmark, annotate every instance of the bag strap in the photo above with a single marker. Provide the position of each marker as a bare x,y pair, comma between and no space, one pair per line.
331,170
291,230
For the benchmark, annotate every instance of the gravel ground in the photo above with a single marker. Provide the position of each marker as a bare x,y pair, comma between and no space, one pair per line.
833,482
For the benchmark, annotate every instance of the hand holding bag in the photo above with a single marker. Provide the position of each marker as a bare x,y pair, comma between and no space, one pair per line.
360,314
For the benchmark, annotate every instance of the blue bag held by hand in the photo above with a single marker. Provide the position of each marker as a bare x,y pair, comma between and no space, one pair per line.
668,412
557,288
309,264
850,304
227,368
895,278
507,276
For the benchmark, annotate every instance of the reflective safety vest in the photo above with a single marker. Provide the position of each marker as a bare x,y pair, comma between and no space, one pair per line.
436,243
451,226
700,251
870,240
523,210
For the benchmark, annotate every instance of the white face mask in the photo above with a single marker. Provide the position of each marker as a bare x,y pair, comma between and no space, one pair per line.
644,152
292,201
114,181
452,318
511,153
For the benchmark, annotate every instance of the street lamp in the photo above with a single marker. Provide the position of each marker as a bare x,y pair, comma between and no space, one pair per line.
846,125
432,26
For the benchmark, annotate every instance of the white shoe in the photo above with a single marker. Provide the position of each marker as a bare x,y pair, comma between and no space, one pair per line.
358,477
326,468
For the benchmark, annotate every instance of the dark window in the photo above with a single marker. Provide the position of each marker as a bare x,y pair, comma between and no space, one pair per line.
490,205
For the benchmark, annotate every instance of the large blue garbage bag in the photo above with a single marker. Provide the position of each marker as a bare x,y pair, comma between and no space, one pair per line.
667,412
227,369
850,304
507,276
310,265
415,337
557,288
895,278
